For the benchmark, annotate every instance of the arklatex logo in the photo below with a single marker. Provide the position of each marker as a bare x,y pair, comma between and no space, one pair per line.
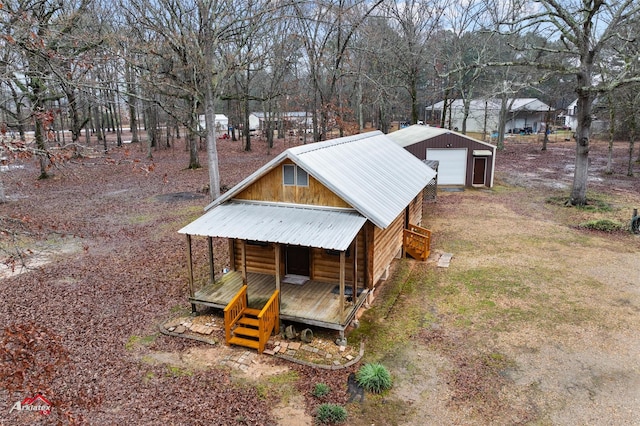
36,403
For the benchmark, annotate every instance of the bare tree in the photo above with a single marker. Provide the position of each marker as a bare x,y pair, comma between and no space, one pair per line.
327,30
584,30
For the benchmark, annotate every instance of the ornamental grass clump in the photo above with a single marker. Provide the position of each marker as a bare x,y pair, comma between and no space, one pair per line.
331,414
320,390
374,378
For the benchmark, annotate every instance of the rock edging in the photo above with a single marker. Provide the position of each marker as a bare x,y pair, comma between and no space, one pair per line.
355,360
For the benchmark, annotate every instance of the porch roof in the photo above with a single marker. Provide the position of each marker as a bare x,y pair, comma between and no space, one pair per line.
332,229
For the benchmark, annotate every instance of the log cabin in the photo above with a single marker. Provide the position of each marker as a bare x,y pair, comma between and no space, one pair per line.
310,235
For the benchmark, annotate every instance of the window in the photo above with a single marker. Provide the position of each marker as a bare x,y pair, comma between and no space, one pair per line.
289,174
302,178
292,175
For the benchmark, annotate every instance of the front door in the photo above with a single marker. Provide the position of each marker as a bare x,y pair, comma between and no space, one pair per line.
297,260
479,168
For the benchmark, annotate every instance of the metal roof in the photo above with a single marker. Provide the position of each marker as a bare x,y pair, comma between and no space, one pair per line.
332,229
419,133
517,104
368,171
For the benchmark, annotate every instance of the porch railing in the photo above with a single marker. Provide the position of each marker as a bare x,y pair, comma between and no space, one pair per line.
417,242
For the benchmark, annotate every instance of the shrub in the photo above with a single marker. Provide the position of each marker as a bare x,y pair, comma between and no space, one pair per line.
604,225
331,413
320,390
374,378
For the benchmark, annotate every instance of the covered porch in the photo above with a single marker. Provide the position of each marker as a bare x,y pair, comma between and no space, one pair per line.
314,303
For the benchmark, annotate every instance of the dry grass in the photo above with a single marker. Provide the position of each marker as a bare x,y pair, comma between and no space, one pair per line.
532,322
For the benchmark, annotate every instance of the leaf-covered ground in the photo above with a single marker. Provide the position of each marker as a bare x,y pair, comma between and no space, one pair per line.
103,230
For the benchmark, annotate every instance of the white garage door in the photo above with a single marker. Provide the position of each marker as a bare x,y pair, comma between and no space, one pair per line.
452,169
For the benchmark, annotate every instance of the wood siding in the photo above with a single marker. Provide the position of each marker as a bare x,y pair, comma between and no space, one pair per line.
270,188
259,259
387,243
415,209
453,141
324,266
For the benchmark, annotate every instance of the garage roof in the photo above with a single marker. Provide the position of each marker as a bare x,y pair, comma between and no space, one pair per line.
419,133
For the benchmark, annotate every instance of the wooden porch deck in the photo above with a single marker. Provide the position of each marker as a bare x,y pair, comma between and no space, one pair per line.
311,303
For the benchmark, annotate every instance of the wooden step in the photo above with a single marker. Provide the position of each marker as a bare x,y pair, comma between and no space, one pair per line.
248,321
248,343
246,331
252,312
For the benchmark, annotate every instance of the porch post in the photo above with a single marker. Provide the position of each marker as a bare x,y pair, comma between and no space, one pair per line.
243,255
368,255
212,274
190,272
277,251
232,254
342,274
354,254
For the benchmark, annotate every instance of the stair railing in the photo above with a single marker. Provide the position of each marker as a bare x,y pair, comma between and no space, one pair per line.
233,311
268,321
417,241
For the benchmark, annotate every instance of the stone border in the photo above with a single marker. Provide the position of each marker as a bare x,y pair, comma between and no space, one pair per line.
163,330
324,366
348,364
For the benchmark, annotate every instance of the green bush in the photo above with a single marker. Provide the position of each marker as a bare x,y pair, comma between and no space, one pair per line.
320,390
604,225
374,378
331,413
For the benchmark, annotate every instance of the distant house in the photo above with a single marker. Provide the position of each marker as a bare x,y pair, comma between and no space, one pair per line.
525,114
222,123
298,121
571,116
311,233
254,122
598,125
462,160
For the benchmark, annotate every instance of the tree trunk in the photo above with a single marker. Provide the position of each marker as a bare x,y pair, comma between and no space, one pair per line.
612,117
632,139
131,101
502,122
414,99
583,133
547,129
212,149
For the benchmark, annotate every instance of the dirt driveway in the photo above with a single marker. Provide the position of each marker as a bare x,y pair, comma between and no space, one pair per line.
535,321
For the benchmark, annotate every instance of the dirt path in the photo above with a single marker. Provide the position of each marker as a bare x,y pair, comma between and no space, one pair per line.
535,321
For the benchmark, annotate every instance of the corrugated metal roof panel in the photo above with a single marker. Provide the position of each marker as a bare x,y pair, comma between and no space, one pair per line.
416,133
278,223
368,171
419,133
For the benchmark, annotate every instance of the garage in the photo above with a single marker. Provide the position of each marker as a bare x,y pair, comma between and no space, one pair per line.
452,168
462,160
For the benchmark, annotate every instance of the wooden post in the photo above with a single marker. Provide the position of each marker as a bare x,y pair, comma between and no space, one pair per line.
232,254
212,273
342,274
190,272
277,250
243,259
354,255
368,254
